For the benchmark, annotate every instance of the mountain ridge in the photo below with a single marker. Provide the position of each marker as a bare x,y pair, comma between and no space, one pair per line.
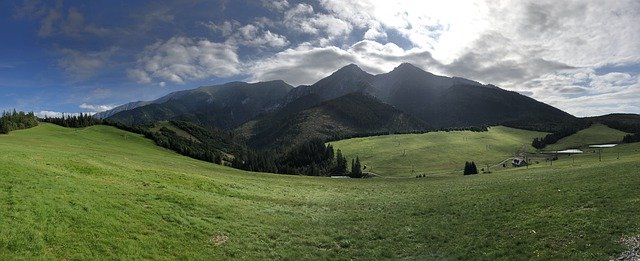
437,101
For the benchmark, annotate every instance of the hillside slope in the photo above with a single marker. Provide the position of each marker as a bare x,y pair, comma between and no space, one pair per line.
221,106
102,193
348,115
595,134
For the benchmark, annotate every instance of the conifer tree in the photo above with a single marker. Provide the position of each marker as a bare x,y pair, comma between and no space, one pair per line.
341,164
356,168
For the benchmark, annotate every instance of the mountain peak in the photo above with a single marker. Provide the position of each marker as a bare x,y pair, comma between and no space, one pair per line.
352,67
403,67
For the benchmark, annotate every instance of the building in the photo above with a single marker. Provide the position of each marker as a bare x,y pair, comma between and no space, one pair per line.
518,162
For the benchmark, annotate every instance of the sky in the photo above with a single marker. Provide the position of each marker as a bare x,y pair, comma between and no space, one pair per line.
89,56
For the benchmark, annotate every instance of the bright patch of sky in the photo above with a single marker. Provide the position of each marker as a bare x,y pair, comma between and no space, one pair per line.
87,56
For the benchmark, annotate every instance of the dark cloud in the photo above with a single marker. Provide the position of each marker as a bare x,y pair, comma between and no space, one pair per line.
494,58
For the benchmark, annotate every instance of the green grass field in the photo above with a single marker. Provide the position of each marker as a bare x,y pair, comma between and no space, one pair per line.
596,134
101,193
436,152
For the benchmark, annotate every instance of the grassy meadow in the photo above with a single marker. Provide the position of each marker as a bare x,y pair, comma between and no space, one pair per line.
436,152
596,134
102,193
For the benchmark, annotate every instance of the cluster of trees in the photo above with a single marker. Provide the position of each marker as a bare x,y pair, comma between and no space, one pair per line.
73,121
11,121
197,150
626,126
629,138
169,139
356,168
312,158
470,168
540,143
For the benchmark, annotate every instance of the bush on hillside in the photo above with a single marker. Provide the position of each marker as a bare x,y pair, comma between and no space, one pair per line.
470,168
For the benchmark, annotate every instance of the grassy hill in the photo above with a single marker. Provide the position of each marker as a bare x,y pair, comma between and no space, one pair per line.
436,152
101,193
596,134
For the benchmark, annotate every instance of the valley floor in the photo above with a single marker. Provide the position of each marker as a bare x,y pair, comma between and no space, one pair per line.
102,193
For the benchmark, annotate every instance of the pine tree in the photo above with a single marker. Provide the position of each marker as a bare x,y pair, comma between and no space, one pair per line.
341,164
470,168
356,168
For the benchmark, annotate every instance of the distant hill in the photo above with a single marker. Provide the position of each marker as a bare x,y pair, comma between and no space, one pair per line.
222,106
626,122
348,115
595,134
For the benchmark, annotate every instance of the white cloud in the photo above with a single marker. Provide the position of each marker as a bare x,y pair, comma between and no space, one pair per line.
226,27
81,65
56,114
54,20
139,75
375,33
181,59
276,5
48,23
253,35
307,64
582,92
75,25
301,65
303,19
97,107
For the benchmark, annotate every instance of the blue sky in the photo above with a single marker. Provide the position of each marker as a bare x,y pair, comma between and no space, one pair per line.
88,56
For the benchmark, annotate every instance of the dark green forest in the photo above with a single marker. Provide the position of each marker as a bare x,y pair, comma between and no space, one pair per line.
11,121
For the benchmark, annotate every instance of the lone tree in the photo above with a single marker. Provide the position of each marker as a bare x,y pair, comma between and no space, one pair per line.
356,168
470,168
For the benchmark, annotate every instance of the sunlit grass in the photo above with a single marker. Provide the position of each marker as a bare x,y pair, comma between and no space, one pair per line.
101,193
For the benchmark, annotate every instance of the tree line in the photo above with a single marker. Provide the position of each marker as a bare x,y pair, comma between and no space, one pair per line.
630,127
481,128
551,138
73,121
312,158
630,138
11,121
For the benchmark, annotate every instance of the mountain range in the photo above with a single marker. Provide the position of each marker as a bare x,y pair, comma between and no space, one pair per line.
348,102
